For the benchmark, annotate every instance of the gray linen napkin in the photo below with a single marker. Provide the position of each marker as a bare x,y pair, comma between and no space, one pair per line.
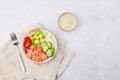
10,68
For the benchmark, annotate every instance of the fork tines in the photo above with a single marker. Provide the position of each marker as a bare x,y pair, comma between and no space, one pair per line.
14,38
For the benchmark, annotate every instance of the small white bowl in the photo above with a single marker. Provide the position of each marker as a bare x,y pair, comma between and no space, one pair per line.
54,43
67,21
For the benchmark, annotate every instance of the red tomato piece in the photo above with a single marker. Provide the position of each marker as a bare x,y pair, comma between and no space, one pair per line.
26,44
26,49
27,40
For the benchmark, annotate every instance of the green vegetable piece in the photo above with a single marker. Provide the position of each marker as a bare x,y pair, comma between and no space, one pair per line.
42,44
49,44
32,33
42,40
45,48
33,41
36,37
49,53
53,50
37,33
43,34
31,37
36,42
40,36
33,45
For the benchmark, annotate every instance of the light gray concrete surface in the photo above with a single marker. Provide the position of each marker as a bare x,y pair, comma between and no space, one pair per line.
96,40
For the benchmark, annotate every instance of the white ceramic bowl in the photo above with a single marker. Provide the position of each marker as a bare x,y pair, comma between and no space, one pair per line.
67,21
48,35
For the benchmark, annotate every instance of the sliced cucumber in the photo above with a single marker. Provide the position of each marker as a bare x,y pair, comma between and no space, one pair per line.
49,44
42,44
49,53
53,50
45,48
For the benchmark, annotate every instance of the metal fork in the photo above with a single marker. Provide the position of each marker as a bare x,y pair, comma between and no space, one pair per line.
15,42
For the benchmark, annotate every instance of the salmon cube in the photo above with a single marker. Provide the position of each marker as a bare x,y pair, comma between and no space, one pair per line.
43,56
36,53
29,56
38,59
30,51
33,58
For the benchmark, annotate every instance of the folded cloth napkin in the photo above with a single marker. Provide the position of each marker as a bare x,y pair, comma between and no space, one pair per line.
10,68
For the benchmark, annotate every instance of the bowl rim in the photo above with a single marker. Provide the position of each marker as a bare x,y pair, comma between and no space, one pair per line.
74,20
55,40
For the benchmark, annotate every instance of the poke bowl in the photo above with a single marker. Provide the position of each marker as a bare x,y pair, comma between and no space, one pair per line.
39,45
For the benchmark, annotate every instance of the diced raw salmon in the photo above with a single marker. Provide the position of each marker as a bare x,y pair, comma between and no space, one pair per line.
38,59
39,49
30,51
43,56
33,58
38,46
36,53
29,55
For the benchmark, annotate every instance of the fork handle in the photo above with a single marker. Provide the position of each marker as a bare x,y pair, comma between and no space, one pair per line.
21,60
